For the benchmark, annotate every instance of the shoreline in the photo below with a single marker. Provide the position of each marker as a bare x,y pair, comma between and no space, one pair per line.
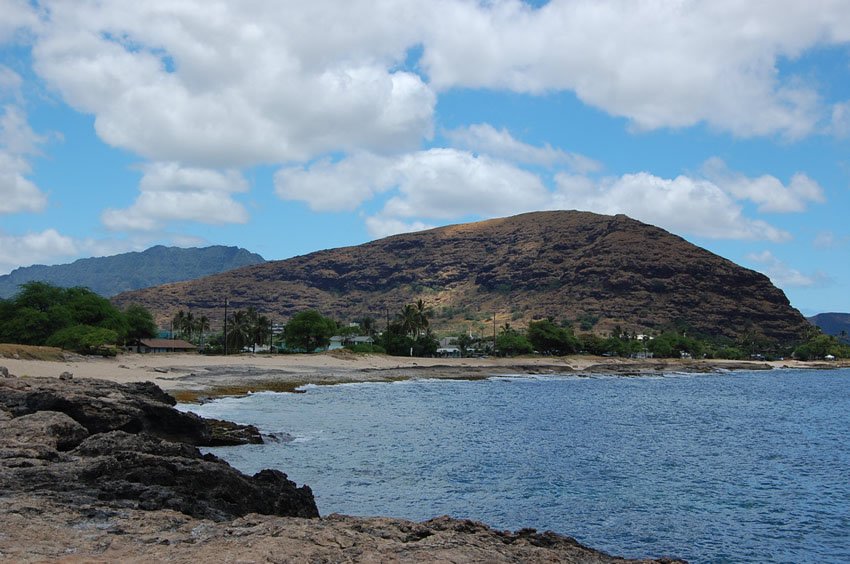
192,377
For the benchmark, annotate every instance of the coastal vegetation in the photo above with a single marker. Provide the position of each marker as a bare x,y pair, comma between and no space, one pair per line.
79,320
75,319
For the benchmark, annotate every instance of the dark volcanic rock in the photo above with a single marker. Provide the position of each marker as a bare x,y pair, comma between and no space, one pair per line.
102,406
88,442
573,266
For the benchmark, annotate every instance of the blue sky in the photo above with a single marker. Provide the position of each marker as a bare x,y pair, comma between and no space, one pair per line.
290,127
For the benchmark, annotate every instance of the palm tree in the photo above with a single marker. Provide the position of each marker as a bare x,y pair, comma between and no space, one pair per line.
202,324
177,323
239,330
187,329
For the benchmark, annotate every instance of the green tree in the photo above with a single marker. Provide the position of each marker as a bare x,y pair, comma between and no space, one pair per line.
396,340
308,331
140,323
85,339
510,342
464,341
548,338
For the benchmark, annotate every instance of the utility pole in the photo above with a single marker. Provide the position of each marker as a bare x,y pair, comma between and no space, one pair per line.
494,333
225,326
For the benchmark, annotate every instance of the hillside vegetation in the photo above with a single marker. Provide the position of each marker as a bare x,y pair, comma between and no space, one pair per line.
592,272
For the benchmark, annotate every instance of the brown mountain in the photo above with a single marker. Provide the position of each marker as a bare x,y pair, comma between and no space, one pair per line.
595,271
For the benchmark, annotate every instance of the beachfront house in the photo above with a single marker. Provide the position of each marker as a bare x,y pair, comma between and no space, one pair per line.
163,346
342,341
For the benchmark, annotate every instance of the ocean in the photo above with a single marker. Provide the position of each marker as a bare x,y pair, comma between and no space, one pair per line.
732,467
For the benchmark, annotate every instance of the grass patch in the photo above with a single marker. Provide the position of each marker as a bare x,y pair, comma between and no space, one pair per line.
30,352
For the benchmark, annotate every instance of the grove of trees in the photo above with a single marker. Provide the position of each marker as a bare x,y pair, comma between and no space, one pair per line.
75,319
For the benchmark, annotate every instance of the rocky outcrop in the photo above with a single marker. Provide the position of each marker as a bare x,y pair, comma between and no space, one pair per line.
592,271
84,442
81,486
101,406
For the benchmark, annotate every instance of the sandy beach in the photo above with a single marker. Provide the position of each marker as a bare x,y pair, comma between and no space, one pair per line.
188,374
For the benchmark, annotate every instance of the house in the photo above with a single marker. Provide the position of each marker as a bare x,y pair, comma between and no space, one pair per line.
164,346
339,341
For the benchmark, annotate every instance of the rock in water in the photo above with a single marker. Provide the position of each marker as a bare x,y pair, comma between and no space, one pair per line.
87,442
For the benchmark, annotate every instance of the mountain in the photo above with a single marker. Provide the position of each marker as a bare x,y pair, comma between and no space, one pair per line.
837,324
131,271
592,270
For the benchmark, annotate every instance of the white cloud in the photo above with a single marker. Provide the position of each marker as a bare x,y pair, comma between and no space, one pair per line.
435,184
659,64
783,275
174,193
214,83
18,143
337,186
381,226
35,248
484,138
682,205
18,15
430,187
767,191
10,84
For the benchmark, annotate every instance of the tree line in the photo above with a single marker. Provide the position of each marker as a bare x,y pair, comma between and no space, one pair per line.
75,319
80,320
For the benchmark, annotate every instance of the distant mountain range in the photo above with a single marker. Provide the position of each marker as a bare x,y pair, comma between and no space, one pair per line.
837,324
593,271
132,271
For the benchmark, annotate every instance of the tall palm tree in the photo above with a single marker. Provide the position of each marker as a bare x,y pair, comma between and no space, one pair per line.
202,325
187,329
239,330
177,323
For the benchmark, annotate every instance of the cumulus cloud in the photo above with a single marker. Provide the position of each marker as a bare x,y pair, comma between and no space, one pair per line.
171,192
45,246
18,143
783,275
214,83
767,191
659,64
499,143
682,205
436,184
18,15
426,188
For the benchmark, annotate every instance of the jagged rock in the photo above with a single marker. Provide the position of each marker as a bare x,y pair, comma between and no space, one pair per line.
97,450
4,372
66,376
50,428
101,406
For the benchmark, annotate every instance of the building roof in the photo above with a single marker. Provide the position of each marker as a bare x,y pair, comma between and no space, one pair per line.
167,344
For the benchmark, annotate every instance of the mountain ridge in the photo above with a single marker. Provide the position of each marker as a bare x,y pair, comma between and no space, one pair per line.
111,275
590,270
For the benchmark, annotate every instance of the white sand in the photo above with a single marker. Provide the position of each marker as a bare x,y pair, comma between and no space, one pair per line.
177,371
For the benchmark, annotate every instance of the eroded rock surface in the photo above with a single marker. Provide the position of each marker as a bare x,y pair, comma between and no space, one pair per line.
83,442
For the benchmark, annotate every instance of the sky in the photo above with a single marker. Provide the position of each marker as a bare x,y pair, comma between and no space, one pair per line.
286,127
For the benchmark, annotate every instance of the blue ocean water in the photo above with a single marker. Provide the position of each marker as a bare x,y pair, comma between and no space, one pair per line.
736,467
